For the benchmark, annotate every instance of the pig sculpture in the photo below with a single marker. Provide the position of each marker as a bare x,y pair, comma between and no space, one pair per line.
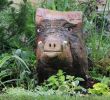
60,44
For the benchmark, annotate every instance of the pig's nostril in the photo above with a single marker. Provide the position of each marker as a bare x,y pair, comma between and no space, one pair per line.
54,45
49,45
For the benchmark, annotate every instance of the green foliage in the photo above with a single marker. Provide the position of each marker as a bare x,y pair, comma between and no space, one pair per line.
4,4
64,84
22,94
16,68
97,41
63,5
100,89
106,80
56,80
17,30
17,27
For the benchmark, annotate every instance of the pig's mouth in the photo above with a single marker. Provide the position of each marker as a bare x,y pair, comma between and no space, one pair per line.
52,54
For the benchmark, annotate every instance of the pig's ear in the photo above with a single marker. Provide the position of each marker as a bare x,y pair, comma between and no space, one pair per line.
40,13
74,17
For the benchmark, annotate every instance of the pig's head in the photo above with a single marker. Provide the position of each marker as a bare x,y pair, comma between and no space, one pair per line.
54,30
53,37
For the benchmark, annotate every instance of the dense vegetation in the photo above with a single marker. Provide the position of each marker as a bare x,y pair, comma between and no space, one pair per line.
17,51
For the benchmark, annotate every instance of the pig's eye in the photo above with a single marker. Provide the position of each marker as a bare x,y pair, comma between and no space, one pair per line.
39,29
69,26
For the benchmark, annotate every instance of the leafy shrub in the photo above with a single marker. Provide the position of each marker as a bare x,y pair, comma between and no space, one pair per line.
17,27
64,84
4,4
100,89
15,69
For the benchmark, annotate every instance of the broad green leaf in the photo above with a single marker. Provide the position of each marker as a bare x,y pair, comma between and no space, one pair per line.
4,60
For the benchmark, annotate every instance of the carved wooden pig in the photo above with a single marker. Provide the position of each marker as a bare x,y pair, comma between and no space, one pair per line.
60,44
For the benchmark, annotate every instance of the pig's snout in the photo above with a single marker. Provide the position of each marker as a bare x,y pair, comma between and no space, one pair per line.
52,47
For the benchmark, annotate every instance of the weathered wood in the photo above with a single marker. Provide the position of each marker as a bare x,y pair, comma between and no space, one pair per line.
60,44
